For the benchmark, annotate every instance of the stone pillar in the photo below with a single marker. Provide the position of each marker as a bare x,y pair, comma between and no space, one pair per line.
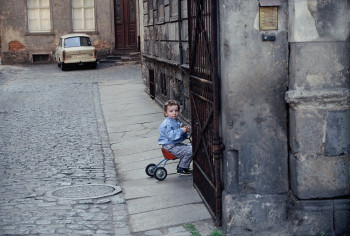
319,83
254,80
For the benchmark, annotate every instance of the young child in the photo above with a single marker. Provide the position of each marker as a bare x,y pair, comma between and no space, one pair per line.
172,135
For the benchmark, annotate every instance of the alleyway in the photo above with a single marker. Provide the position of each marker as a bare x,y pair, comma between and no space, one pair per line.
71,141
52,135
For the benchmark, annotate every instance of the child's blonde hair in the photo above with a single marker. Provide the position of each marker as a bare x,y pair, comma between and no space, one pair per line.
170,103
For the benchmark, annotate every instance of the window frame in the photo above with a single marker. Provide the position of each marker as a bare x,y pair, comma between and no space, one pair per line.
40,31
94,18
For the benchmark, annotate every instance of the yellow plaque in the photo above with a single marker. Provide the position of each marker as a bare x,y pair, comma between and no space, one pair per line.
268,18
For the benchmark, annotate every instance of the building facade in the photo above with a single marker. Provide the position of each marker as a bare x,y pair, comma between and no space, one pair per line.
30,29
283,115
165,51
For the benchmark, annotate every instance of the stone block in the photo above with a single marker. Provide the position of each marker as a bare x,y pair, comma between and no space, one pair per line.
163,50
338,133
310,217
307,130
184,30
342,216
167,16
21,57
173,51
263,166
319,66
319,20
254,214
320,177
173,31
184,11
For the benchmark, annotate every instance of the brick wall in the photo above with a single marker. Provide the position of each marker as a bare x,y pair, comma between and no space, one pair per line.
15,46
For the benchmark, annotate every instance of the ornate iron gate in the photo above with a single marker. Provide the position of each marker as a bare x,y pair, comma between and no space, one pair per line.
205,92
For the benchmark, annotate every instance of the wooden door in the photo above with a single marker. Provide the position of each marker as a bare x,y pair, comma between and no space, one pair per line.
125,24
205,103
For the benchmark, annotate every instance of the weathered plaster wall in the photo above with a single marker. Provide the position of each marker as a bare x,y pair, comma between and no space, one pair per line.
319,94
15,29
161,52
254,78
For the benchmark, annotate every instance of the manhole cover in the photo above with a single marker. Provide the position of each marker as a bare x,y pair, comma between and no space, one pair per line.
86,191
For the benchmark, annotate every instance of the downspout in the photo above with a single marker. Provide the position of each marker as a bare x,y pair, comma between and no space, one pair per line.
179,29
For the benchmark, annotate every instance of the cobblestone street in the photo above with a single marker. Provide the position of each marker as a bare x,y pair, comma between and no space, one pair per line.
52,136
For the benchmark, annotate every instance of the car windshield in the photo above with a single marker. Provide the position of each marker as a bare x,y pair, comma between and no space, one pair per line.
77,42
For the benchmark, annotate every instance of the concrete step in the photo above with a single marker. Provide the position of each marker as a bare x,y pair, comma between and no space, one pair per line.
130,58
124,51
124,63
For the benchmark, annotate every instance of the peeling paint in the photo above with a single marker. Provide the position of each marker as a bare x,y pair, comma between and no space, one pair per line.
306,23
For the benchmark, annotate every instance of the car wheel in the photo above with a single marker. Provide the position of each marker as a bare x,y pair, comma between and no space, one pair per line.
93,65
63,67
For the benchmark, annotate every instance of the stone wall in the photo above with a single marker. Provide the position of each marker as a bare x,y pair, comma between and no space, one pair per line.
284,109
319,94
254,78
165,52
14,29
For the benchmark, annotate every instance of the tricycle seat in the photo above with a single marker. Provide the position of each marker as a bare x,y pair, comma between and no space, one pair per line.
168,155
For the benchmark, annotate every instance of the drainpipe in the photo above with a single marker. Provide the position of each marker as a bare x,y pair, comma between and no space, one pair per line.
179,26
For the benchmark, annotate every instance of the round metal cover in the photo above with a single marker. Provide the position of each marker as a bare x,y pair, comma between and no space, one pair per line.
88,191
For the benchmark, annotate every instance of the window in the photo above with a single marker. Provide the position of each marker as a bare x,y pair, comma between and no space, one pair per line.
76,42
38,12
83,15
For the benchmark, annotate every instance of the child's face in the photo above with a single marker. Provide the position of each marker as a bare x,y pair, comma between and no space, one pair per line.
172,112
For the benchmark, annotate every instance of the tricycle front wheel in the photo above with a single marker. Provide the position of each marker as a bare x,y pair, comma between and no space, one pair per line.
149,169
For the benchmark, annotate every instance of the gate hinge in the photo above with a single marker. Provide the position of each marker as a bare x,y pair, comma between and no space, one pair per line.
218,146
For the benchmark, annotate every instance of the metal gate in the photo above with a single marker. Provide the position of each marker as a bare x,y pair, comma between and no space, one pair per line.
205,92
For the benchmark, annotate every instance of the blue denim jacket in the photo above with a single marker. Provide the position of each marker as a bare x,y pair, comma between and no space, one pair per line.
171,132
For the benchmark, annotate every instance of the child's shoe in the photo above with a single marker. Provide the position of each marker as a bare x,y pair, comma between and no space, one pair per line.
184,171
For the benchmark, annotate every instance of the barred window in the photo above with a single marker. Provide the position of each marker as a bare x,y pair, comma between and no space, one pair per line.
83,12
38,14
163,84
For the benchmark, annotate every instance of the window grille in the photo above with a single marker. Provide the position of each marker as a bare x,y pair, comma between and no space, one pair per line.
132,10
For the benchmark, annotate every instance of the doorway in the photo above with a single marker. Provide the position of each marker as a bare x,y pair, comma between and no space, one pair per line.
125,24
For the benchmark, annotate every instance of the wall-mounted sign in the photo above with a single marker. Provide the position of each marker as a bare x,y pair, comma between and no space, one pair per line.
268,14
268,18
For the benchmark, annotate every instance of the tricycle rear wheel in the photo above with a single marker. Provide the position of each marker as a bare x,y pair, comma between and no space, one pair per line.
160,173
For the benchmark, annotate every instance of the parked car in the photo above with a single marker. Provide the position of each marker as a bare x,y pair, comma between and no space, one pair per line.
75,49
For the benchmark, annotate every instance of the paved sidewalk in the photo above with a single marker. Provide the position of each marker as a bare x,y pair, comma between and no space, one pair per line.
154,207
